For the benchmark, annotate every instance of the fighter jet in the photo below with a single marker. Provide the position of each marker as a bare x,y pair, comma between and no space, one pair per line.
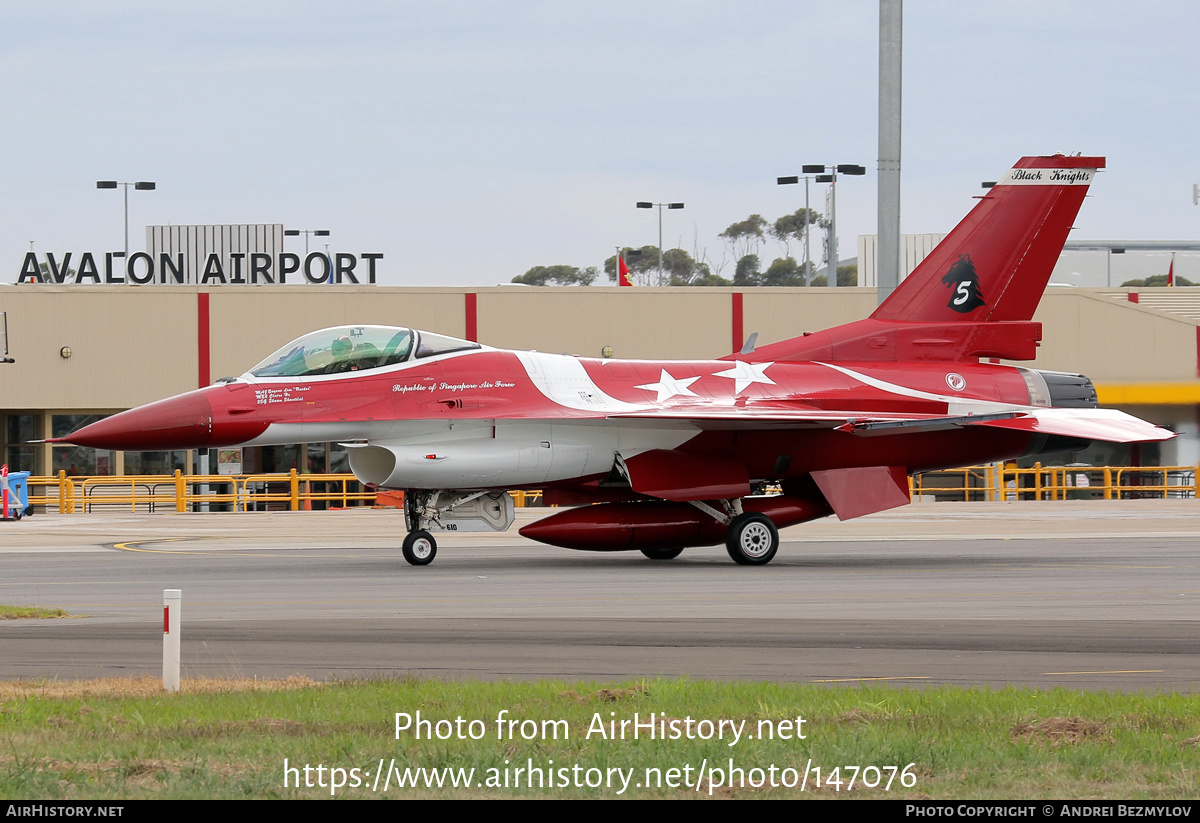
659,456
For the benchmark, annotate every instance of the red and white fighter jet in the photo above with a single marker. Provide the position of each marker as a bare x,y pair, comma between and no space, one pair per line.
677,453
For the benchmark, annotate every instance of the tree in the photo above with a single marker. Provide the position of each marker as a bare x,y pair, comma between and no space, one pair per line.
64,275
794,227
783,271
746,271
557,276
847,276
746,236
1157,280
679,268
642,263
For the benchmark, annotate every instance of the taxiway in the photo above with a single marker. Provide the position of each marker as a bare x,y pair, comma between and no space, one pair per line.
1093,595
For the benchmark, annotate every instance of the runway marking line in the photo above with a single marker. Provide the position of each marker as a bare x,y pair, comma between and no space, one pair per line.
1116,671
866,679
130,546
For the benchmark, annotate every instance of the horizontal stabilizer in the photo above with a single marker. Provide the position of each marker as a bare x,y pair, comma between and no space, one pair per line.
1109,425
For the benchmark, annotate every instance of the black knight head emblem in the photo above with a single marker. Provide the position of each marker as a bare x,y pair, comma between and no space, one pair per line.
965,295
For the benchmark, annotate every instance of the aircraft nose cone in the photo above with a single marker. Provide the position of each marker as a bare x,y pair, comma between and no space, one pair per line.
182,422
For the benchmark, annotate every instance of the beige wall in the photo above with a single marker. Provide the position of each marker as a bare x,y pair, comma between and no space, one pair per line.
1113,341
638,323
248,324
778,314
132,345
128,346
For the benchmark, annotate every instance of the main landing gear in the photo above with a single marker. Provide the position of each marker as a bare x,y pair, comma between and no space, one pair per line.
750,537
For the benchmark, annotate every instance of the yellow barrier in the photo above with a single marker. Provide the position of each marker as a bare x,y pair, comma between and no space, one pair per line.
1038,482
180,492
293,491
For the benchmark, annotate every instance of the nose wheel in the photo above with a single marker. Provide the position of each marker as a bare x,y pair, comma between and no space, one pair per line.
419,548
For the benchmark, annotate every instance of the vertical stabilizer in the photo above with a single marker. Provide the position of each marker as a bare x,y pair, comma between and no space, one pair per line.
995,264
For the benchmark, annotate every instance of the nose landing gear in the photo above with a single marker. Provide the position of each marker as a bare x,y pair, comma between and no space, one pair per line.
419,548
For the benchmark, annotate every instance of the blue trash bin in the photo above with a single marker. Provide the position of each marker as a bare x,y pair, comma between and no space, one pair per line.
18,495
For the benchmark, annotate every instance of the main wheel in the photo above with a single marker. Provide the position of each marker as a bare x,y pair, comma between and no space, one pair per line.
419,548
752,539
662,554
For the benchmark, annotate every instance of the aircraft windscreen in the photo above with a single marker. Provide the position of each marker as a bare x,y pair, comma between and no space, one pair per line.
337,350
431,344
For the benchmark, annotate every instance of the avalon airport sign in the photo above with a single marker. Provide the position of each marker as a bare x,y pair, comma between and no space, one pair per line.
235,268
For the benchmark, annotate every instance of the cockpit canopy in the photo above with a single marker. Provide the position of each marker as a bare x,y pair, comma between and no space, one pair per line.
354,349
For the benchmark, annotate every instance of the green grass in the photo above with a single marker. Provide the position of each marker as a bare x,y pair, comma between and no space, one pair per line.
23,612
126,739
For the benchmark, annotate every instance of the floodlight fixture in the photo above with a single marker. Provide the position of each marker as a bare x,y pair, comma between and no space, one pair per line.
642,204
143,185
307,233
828,174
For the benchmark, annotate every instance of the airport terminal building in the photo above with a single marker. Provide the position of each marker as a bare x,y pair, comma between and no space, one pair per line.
84,349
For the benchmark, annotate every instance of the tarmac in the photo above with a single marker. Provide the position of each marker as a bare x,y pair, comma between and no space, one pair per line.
1083,594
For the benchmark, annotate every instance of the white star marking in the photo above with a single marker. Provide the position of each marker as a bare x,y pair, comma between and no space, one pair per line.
667,386
744,374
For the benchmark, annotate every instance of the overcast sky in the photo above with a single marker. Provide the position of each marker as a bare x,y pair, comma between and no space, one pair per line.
469,141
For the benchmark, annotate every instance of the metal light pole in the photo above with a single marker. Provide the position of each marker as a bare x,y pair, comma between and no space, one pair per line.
306,233
144,185
783,181
644,205
826,174
887,259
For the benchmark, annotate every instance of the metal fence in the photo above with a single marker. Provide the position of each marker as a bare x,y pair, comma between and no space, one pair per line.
296,492
1038,482
213,492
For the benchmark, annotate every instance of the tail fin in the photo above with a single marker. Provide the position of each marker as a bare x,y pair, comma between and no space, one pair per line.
995,264
975,294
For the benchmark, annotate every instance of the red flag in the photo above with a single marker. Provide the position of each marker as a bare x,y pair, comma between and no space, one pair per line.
1171,272
623,278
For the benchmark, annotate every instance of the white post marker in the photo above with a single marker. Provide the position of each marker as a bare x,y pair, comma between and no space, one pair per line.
172,611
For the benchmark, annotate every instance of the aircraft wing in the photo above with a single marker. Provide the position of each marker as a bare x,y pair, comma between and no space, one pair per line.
1089,424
